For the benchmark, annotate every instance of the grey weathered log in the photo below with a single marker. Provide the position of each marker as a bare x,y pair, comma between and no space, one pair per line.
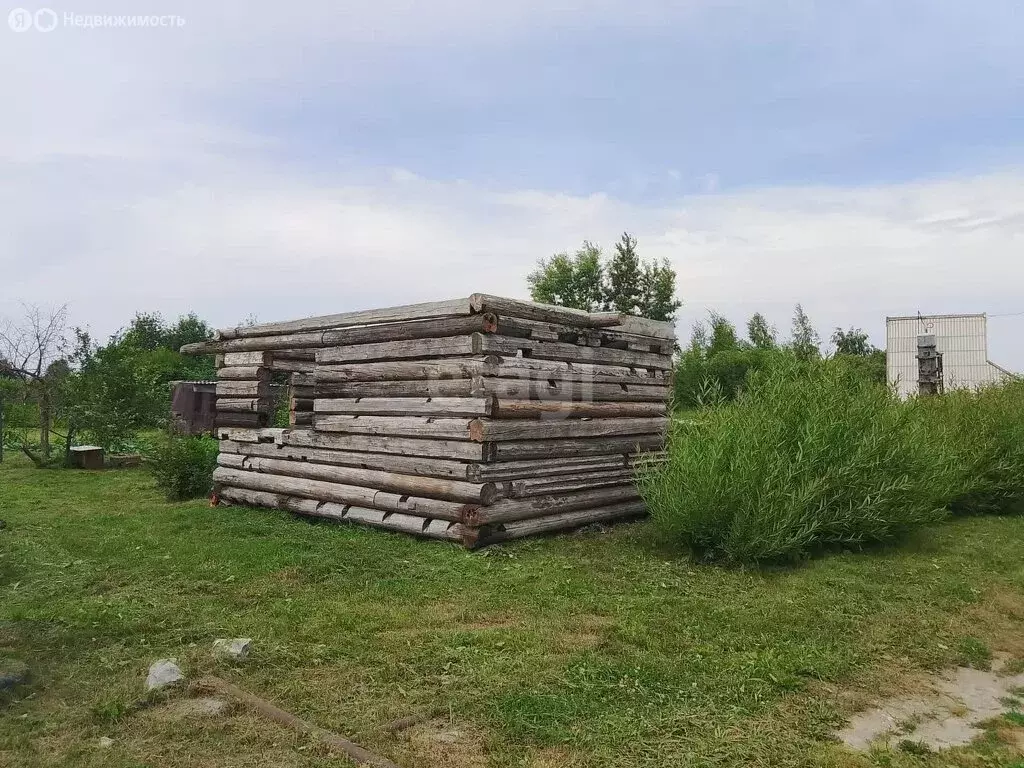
566,409
300,418
293,366
594,337
302,379
265,435
433,528
242,404
563,521
548,389
541,468
406,446
569,483
507,510
641,326
448,346
494,366
244,373
407,406
230,459
398,426
413,388
410,465
418,329
259,389
424,311
482,302
492,344
321,490
240,419
484,430
515,450
247,359
415,485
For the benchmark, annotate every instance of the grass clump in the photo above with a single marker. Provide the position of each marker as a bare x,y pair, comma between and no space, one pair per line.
183,466
811,454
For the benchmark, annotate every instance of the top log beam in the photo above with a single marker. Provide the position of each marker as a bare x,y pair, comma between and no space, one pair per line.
424,311
547,313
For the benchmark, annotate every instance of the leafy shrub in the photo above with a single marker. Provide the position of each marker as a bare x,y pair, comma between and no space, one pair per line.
982,438
183,466
810,454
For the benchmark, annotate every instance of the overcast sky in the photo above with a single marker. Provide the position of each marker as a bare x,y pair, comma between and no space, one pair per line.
864,157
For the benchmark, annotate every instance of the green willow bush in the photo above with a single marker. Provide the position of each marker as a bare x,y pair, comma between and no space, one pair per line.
809,455
183,466
982,438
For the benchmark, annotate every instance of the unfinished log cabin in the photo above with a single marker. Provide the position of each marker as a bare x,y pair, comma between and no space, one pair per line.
476,420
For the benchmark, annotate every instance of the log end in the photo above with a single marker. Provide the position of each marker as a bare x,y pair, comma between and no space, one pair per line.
476,430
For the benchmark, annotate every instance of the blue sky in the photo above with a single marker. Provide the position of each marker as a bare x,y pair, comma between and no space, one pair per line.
864,158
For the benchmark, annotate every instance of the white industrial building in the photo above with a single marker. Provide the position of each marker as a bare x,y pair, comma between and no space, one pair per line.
959,342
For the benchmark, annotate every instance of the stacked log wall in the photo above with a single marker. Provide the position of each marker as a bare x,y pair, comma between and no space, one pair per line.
475,420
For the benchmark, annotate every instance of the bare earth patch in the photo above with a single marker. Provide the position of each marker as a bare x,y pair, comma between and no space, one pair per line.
946,712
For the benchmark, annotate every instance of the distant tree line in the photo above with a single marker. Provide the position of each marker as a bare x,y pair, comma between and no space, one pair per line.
58,382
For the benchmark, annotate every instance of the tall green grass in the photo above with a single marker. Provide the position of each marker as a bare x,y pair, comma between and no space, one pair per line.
809,455
981,434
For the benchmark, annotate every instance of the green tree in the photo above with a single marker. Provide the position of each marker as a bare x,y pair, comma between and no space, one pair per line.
624,277
658,292
760,333
723,335
852,342
805,341
570,281
625,284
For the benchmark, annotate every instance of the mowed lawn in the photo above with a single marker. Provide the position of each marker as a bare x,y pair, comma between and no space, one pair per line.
593,649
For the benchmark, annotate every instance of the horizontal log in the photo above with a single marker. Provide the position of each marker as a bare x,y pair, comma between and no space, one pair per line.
564,409
228,459
593,337
414,388
418,329
395,521
402,446
551,350
482,302
398,426
557,389
425,487
239,419
570,483
485,430
408,465
291,355
242,404
244,373
300,419
407,406
515,450
259,389
303,380
341,493
265,435
493,366
449,346
292,366
642,326
540,468
426,310
562,521
247,359
507,510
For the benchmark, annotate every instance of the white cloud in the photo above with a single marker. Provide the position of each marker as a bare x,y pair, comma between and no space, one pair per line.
233,239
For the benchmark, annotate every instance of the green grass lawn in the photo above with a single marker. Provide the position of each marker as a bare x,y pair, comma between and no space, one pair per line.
593,649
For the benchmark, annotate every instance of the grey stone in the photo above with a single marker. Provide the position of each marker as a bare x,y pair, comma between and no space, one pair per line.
12,673
235,648
163,673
